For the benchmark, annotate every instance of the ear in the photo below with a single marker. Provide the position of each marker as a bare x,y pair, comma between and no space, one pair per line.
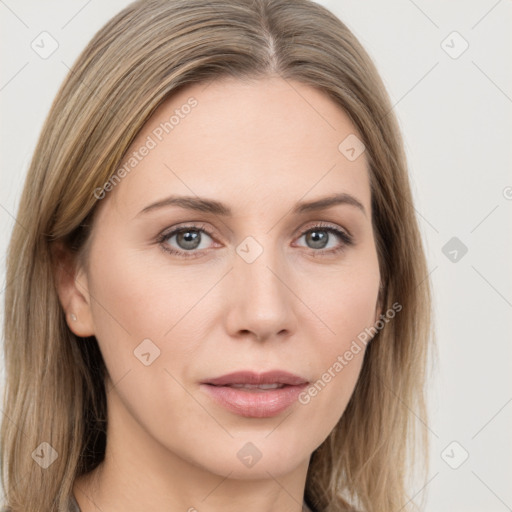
73,290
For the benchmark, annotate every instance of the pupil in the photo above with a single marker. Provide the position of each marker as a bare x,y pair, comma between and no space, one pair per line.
318,238
188,239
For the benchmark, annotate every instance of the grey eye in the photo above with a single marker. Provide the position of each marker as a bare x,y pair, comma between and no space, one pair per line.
188,239
317,238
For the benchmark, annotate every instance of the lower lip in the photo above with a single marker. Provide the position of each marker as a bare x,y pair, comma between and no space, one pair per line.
254,404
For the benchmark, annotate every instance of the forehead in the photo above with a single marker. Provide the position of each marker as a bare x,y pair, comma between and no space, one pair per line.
246,143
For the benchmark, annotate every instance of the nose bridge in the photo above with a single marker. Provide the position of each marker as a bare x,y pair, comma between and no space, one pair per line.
261,301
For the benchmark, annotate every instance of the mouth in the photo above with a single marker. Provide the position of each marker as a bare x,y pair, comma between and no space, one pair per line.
250,378
255,387
255,395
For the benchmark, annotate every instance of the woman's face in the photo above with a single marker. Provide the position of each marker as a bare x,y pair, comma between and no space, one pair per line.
256,280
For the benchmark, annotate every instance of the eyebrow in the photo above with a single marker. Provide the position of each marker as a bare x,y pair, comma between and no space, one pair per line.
217,208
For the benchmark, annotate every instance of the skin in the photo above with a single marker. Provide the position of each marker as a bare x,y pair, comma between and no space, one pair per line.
259,147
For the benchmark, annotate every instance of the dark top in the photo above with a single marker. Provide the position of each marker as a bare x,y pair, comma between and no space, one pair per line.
73,505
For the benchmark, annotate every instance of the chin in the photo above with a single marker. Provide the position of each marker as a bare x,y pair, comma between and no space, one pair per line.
255,456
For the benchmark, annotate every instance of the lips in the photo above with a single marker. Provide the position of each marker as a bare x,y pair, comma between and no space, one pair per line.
257,379
255,395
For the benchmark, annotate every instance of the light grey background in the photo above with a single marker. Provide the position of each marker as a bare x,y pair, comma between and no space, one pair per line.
455,113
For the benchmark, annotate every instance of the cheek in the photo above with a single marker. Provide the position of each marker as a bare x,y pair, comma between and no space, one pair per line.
133,297
346,303
151,320
347,307
128,306
353,309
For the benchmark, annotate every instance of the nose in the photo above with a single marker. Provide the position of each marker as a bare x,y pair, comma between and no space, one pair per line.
261,303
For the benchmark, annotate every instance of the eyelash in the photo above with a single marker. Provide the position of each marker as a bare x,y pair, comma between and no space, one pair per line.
345,238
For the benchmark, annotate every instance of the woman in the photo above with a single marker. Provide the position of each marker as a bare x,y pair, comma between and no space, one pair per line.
218,296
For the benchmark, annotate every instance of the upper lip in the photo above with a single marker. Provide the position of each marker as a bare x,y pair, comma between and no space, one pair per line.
251,377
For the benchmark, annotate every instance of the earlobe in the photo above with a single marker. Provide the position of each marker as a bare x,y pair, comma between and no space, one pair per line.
72,288
80,327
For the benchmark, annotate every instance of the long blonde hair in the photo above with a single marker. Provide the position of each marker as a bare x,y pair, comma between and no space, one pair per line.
54,387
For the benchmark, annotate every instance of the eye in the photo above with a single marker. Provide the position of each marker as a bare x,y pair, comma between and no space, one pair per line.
188,239
191,241
326,239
